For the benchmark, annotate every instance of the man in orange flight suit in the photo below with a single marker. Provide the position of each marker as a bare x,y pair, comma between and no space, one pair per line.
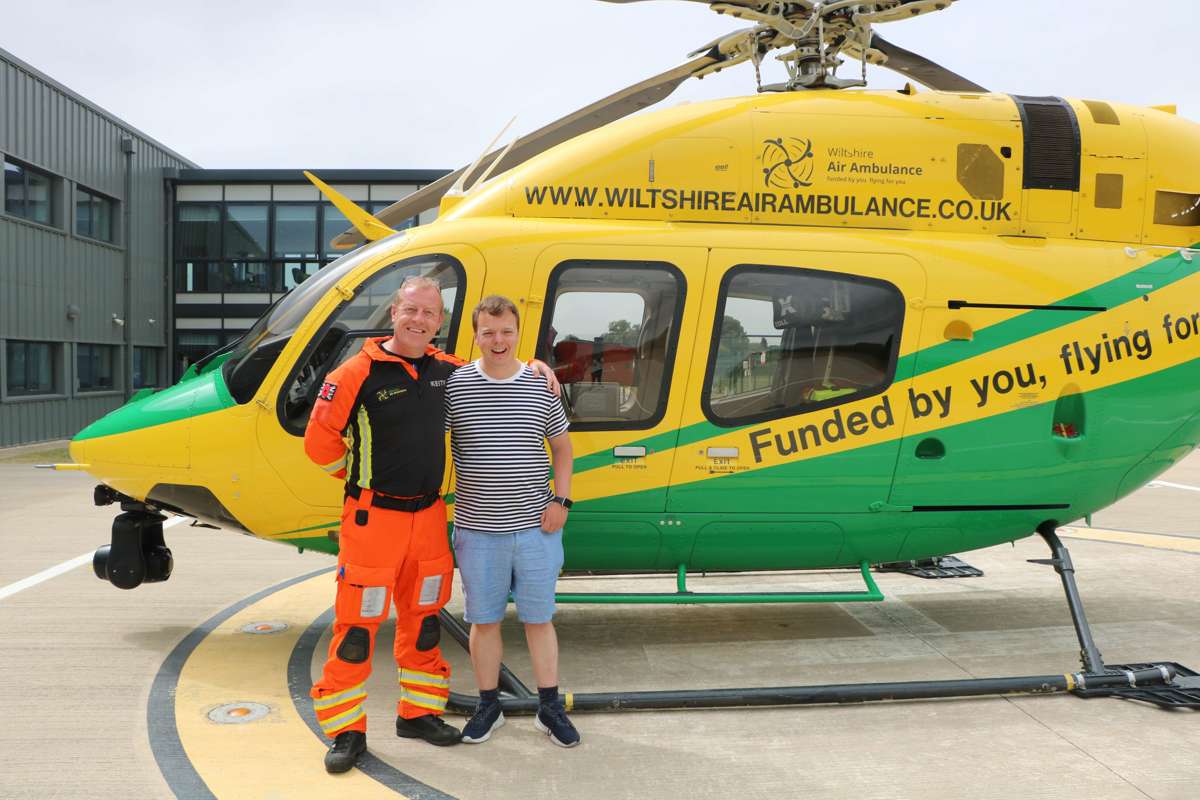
379,423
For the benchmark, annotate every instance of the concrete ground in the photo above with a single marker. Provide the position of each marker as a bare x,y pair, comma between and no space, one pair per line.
113,694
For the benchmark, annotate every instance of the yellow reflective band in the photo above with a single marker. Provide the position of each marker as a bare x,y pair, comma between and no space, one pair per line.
430,701
336,465
337,698
423,678
342,720
364,448
570,701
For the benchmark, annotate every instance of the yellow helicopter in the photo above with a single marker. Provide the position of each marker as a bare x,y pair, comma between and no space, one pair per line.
816,327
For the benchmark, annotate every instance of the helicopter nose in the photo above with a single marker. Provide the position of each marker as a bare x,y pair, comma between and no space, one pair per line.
78,450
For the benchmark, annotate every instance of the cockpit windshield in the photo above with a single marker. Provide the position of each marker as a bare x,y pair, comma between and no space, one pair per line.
282,319
255,353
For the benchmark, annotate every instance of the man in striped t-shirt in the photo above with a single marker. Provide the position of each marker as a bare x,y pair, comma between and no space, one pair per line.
507,521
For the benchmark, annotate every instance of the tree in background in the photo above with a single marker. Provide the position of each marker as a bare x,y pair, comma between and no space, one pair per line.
623,332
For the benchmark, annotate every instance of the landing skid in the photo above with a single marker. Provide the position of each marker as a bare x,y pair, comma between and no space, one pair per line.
1165,684
940,567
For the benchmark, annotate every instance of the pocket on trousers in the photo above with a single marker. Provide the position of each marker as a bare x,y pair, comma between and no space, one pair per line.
431,589
363,593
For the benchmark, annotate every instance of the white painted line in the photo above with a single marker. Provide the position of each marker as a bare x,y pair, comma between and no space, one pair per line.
1170,485
66,566
45,575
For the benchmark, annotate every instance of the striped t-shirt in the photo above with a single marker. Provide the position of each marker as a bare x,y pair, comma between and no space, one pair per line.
498,430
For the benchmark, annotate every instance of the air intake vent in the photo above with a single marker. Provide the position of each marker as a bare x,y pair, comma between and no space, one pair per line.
1052,149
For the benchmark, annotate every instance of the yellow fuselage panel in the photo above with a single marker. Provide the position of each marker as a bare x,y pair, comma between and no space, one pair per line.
925,162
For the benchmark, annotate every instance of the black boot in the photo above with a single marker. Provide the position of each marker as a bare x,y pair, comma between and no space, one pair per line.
430,727
344,752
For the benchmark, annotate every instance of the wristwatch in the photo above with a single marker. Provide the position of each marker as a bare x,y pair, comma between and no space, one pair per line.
562,501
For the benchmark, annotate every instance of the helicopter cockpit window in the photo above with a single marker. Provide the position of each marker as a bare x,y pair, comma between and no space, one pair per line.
609,332
366,315
254,354
793,340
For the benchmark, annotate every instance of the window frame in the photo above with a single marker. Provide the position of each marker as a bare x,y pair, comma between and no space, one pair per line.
548,307
227,220
790,411
317,337
117,369
56,372
155,354
94,199
54,183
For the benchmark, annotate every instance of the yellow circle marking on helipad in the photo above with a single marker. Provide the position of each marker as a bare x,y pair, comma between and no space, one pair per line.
278,755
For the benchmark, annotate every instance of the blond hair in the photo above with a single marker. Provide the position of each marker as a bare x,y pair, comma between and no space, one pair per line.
494,305
416,282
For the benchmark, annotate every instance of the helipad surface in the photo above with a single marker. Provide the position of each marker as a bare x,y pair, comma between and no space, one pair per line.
212,666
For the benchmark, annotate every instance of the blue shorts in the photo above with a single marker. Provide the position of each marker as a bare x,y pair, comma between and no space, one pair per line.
525,563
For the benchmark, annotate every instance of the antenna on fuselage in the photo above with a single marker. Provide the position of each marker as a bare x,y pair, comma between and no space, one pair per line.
459,185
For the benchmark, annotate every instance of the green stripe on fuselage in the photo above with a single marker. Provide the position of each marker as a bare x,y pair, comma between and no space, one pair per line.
202,394
1086,473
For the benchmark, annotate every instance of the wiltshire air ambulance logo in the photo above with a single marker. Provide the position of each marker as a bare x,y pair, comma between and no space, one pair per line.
787,163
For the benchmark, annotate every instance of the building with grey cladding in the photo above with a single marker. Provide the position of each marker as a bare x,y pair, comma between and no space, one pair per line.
122,261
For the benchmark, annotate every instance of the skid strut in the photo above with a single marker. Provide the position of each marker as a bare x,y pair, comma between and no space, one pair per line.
1165,684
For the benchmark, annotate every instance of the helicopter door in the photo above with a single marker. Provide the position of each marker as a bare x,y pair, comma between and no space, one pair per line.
796,404
459,271
616,324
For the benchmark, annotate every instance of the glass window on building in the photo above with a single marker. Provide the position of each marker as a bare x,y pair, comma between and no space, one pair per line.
94,215
199,276
250,276
376,207
198,232
333,225
790,340
191,347
145,367
28,193
30,368
246,231
609,332
295,231
297,272
95,367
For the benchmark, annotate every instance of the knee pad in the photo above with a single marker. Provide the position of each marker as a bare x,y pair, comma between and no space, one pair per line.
431,633
356,646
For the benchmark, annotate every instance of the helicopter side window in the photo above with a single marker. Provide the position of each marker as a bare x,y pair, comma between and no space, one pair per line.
609,332
791,340
366,315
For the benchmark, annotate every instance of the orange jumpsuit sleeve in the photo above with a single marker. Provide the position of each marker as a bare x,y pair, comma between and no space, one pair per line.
323,438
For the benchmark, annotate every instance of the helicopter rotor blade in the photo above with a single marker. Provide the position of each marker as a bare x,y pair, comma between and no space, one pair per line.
614,107
921,69
757,5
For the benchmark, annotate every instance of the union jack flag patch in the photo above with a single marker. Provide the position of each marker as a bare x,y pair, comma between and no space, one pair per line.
328,390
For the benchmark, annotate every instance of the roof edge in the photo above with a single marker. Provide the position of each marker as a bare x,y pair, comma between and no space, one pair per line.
297,175
113,118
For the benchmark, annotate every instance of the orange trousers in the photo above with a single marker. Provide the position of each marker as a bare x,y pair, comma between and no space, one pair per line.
387,556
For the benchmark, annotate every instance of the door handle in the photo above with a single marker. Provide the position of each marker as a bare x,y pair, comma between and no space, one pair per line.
722,452
629,451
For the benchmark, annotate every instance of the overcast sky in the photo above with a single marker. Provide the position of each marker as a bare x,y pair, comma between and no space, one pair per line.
427,83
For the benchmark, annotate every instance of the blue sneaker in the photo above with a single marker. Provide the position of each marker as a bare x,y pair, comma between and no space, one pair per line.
487,719
552,720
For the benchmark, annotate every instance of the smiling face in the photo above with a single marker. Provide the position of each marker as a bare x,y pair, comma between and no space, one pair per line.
496,337
416,318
